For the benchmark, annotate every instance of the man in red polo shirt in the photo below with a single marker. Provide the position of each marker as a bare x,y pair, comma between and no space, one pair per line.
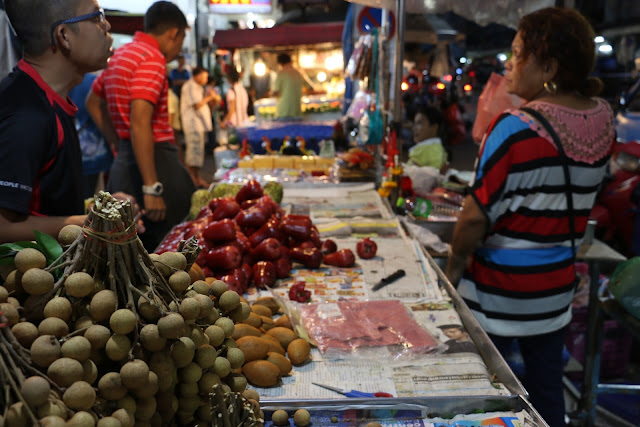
128,101
40,159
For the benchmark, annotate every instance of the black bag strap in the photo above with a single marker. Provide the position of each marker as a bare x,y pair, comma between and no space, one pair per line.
565,168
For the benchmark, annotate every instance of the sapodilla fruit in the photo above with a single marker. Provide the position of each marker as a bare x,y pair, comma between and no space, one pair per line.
80,396
79,284
176,261
59,307
110,386
171,326
25,332
182,352
68,234
147,310
44,350
36,281
65,371
97,335
53,421
35,391
53,326
179,281
151,339
118,347
134,374
123,321
228,301
29,258
10,312
77,348
103,305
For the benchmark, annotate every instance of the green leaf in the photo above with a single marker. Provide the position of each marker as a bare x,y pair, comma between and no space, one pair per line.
6,260
18,246
48,245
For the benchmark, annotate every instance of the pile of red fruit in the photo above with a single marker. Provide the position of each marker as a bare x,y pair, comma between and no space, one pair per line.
247,239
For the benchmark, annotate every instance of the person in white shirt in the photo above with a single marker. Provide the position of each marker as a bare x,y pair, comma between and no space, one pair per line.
237,100
427,128
195,114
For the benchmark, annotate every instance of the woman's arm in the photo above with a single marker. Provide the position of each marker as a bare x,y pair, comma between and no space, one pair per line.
468,235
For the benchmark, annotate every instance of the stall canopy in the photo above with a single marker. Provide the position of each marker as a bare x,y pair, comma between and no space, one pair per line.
483,12
284,35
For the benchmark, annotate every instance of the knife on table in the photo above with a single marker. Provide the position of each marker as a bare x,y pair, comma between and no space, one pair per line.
388,280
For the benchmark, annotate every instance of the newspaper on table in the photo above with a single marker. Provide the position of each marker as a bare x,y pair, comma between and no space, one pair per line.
336,202
444,375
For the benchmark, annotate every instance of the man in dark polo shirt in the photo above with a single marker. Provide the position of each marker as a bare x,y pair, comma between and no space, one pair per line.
40,160
130,99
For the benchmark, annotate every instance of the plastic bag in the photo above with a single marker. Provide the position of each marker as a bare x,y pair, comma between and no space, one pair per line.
363,329
493,100
360,103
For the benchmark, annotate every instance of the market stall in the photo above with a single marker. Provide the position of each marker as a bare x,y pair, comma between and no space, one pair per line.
416,368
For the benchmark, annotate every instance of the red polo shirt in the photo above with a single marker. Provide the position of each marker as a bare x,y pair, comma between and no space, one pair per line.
137,70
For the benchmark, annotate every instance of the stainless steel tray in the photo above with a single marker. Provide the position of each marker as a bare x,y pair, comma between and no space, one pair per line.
430,407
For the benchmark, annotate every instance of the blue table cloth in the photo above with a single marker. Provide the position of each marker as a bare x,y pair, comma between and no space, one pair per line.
312,132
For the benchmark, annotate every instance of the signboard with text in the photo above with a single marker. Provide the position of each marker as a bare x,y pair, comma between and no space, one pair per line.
240,6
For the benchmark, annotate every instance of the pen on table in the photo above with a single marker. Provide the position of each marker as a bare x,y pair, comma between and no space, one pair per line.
353,393
388,280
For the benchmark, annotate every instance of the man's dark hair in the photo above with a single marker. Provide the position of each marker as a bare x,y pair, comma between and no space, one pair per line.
233,74
163,16
32,19
198,70
284,59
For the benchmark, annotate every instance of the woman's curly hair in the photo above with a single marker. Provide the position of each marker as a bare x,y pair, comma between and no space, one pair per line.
566,36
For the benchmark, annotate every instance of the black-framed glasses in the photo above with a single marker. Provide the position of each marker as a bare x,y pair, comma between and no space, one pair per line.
97,14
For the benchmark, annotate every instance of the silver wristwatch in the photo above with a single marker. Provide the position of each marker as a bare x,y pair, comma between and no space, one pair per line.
154,189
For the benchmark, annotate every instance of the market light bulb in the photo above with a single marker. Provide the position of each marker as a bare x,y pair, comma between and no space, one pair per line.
605,48
322,76
598,39
259,69
467,88
502,57
307,60
440,85
404,86
333,62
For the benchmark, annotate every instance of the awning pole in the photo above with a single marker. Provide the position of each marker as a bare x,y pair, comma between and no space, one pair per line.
399,59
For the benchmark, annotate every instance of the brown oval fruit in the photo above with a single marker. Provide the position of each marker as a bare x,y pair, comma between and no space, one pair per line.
283,321
261,310
283,335
261,373
274,344
280,361
244,330
298,351
254,348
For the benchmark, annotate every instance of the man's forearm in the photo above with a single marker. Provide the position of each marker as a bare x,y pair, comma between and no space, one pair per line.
99,112
142,140
23,230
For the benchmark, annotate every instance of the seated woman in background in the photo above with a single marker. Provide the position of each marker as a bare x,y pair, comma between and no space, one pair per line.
427,132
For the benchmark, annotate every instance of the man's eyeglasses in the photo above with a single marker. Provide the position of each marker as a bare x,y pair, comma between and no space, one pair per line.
97,14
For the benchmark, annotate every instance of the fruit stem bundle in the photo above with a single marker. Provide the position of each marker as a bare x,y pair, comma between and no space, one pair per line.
109,234
232,410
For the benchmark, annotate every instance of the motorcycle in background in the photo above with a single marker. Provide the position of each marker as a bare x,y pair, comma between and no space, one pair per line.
617,208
